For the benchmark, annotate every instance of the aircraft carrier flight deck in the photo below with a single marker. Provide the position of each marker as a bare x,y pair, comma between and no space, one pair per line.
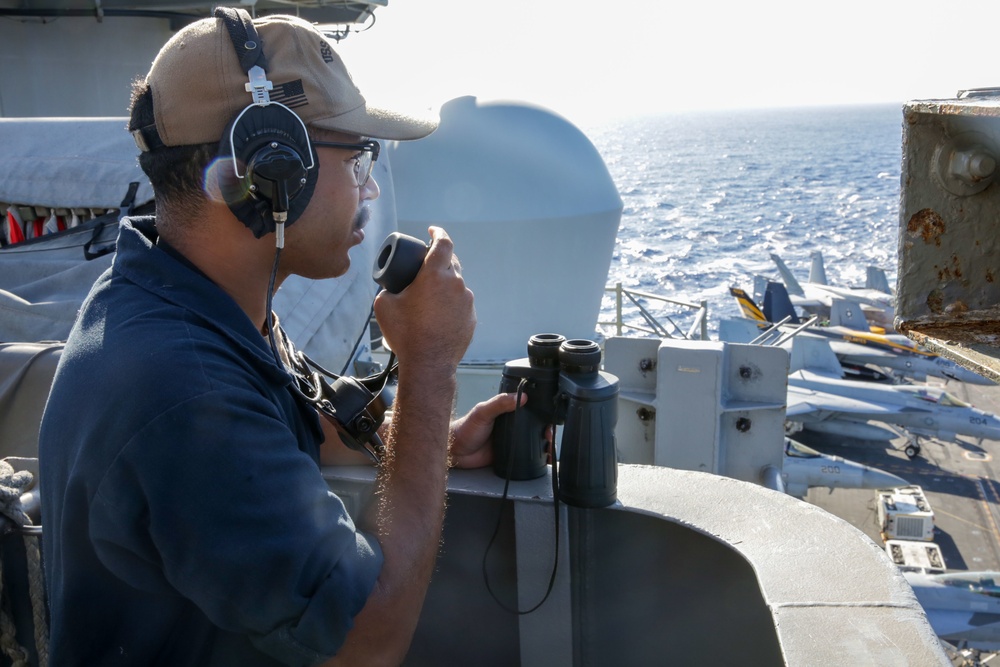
959,480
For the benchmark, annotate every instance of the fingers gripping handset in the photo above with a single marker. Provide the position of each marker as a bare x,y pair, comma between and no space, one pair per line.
428,323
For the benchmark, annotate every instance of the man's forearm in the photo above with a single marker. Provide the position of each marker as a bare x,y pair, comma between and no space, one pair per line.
407,516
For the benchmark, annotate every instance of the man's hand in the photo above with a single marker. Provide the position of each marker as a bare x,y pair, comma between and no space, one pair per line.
430,323
471,443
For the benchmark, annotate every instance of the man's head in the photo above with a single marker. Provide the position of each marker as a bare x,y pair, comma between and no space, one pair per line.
197,86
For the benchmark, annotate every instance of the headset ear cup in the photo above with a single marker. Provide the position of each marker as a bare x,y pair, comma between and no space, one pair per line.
260,132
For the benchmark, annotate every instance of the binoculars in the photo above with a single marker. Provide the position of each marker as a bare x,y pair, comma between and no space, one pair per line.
565,386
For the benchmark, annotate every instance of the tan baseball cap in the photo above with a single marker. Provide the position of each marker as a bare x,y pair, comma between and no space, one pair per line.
198,86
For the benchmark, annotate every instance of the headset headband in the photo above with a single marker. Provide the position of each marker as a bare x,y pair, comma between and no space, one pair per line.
246,41
268,140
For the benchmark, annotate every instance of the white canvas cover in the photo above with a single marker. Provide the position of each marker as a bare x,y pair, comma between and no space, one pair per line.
89,163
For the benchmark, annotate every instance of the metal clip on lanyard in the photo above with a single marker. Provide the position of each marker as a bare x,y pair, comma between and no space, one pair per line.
357,406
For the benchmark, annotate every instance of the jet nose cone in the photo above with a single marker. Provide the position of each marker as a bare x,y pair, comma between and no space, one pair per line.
990,425
969,377
873,478
975,378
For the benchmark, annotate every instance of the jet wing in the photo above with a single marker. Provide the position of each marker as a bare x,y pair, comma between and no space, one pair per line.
809,405
847,348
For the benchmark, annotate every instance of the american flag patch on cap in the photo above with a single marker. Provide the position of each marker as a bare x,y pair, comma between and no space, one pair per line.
291,94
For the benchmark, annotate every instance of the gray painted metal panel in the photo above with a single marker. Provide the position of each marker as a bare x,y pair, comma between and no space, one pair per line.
701,405
688,568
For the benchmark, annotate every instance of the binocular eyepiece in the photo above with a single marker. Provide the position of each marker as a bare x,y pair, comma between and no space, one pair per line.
565,386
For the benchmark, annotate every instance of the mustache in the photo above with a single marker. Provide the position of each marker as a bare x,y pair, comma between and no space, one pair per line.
362,217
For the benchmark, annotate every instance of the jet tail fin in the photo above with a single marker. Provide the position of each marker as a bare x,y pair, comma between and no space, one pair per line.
747,305
814,354
847,313
786,275
817,272
876,280
759,286
778,305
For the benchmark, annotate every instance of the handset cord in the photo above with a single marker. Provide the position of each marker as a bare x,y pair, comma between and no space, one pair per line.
268,312
274,344
291,367
518,411
357,343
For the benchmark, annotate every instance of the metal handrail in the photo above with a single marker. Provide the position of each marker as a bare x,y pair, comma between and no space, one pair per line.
697,331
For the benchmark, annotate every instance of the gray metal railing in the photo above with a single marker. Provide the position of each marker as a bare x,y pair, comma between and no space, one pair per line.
638,303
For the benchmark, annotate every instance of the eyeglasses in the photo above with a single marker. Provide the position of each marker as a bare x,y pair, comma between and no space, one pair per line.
363,161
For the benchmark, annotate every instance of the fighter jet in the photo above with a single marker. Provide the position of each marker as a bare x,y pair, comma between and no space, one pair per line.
856,346
963,607
875,278
820,399
844,316
817,393
804,468
878,306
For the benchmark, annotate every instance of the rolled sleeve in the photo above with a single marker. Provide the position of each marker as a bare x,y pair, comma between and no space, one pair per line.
293,642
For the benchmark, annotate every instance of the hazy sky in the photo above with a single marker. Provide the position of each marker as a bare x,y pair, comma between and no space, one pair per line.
596,60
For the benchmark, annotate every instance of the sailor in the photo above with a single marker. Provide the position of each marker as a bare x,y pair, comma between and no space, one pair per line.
186,518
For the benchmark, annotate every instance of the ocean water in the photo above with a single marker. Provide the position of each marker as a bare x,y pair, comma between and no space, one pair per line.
708,196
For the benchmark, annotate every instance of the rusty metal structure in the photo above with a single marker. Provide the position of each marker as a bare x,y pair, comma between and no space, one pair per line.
948,288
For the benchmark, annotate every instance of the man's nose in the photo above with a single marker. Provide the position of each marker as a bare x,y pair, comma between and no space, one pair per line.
370,191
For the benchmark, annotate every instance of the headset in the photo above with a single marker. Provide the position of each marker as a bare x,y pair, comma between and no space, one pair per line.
274,167
273,176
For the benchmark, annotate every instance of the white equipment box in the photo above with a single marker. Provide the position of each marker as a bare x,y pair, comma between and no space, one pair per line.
913,556
905,514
